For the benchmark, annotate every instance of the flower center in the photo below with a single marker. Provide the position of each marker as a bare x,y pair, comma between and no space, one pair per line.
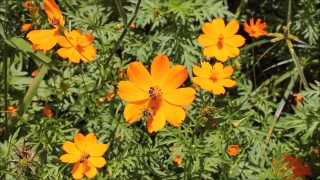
254,29
220,42
55,21
214,77
84,157
155,93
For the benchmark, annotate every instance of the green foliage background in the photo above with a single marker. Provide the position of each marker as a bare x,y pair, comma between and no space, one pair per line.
267,75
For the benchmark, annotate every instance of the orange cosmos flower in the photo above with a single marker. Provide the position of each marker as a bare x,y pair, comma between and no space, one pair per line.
219,40
46,39
298,97
47,111
296,167
178,160
12,109
213,78
155,97
80,47
233,150
255,30
86,154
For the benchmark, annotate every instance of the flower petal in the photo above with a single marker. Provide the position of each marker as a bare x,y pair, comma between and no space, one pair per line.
64,52
46,39
181,96
235,41
160,66
53,11
209,30
204,71
157,122
97,161
74,55
98,150
139,76
221,54
63,42
206,40
69,158
218,89
86,40
133,110
205,84
231,29
217,67
78,170
210,50
79,140
227,82
87,53
71,148
91,172
174,114
226,72
129,92
174,78
219,26
232,51
90,142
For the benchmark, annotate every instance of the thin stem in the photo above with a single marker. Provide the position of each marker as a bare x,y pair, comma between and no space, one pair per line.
254,69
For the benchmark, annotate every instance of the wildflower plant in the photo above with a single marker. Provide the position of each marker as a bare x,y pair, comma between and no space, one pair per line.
170,89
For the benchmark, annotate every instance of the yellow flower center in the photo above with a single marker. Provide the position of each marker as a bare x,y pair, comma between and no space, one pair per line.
220,42
84,157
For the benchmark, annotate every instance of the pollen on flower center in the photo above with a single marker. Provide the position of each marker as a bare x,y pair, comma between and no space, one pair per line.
214,77
220,42
84,157
155,93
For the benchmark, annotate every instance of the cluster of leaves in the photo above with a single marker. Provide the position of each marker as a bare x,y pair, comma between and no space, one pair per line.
266,75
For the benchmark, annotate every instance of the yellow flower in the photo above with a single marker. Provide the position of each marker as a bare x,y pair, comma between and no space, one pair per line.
213,78
219,40
86,154
178,160
156,97
255,30
46,39
80,47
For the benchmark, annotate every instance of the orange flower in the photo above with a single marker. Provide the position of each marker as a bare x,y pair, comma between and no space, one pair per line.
155,97
295,166
219,40
80,47
12,109
298,97
46,39
233,150
34,73
27,27
47,111
86,154
109,95
213,78
255,30
178,160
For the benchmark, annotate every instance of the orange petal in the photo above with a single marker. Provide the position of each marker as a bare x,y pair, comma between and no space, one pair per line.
87,53
26,27
91,172
63,42
74,55
46,39
231,29
64,52
157,122
160,66
209,30
210,51
78,170
204,71
235,41
232,51
226,72
218,25
129,92
218,89
181,96
98,150
205,40
97,161
227,82
174,78
86,40
205,84
69,158
53,11
139,76
79,140
90,142
221,54
71,148
133,110
174,114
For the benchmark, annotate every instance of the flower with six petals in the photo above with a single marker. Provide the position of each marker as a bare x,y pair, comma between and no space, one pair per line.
255,30
86,154
219,40
48,38
213,78
155,96
76,46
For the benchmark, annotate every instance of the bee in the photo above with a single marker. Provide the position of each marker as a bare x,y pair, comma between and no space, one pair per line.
152,95
147,113
84,158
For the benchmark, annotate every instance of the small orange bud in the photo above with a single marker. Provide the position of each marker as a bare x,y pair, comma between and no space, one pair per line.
47,110
34,73
132,25
315,152
109,95
233,150
178,160
101,100
12,109
118,135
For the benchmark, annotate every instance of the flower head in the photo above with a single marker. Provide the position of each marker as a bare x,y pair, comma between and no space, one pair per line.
298,97
255,30
47,111
33,9
46,39
27,26
12,109
76,46
86,154
295,166
233,150
34,73
219,40
213,78
178,160
155,96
